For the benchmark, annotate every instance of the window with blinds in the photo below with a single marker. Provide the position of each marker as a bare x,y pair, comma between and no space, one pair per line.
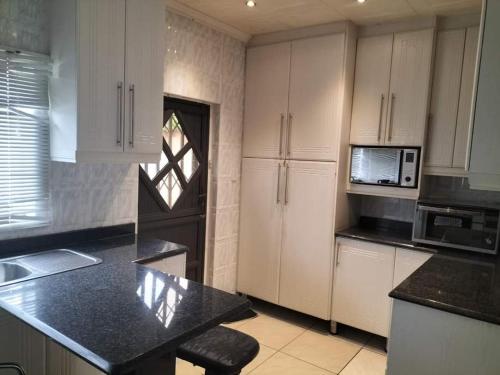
24,139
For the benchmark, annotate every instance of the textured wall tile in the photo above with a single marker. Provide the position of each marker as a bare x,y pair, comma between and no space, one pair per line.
205,65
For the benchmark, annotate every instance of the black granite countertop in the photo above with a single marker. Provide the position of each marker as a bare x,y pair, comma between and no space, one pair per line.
119,313
455,281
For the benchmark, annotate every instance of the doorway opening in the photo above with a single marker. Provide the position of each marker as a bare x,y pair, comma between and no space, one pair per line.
173,192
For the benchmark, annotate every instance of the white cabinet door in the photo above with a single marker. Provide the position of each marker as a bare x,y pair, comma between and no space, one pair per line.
363,278
484,168
101,72
144,63
445,98
409,88
266,100
260,228
466,92
371,90
316,82
407,262
307,250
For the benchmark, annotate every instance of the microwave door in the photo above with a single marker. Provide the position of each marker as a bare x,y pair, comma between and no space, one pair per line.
376,166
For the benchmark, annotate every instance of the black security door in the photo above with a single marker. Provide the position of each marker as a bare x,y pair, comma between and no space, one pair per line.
173,192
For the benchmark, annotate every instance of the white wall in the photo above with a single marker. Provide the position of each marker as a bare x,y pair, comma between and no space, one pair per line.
205,65
83,195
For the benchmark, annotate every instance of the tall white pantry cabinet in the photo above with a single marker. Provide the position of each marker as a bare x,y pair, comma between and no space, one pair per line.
297,97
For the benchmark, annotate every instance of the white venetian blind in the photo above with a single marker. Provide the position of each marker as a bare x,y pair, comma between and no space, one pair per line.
24,139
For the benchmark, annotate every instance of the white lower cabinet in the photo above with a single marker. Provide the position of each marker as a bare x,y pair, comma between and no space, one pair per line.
407,262
306,255
363,279
260,228
286,233
365,273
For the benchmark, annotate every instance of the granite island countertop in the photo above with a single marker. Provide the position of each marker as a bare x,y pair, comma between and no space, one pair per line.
454,281
119,313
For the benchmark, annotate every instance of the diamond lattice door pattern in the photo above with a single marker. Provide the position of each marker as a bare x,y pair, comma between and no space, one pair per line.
177,165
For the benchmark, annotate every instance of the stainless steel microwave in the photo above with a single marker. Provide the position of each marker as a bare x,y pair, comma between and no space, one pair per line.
457,225
386,166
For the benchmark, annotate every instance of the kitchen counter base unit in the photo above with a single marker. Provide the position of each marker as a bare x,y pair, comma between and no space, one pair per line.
445,343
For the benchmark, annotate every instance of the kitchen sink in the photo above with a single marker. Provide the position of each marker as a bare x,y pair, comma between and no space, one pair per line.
27,267
11,272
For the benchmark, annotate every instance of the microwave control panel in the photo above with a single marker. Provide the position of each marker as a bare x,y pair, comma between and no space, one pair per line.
409,168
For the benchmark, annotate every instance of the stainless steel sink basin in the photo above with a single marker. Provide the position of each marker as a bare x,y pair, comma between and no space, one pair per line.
11,272
46,263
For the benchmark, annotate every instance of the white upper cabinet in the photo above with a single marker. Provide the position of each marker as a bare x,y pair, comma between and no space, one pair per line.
101,70
266,100
466,93
294,99
107,86
307,245
371,90
144,64
409,89
391,93
315,106
451,101
484,168
260,228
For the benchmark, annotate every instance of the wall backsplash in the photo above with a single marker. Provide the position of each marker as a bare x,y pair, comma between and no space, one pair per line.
386,208
81,195
24,25
456,189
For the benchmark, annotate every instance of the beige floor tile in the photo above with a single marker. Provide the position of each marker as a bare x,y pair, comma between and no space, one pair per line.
264,354
366,363
186,368
271,332
236,325
323,350
282,364
377,344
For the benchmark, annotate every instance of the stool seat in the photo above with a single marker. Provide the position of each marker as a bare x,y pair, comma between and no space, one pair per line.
220,350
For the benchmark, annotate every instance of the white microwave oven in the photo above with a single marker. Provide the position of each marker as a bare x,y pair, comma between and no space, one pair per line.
385,166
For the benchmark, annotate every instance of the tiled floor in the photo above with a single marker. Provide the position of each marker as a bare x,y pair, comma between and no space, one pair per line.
294,344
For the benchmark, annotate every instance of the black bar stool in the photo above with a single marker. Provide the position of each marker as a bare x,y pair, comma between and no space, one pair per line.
220,351
12,366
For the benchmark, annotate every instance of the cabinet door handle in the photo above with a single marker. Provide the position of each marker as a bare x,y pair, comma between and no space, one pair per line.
337,259
132,115
382,99
278,188
286,184
391,115
289,133
282,121
119,113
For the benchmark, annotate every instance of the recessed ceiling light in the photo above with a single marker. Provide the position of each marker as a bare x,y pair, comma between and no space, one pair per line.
361,1
251,3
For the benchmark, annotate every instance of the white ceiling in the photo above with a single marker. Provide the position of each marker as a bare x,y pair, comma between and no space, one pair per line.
275,15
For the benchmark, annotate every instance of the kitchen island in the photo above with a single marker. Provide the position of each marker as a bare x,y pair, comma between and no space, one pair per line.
121,317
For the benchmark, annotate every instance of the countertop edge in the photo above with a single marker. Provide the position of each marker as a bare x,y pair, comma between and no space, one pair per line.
385,242
168,254
444,307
